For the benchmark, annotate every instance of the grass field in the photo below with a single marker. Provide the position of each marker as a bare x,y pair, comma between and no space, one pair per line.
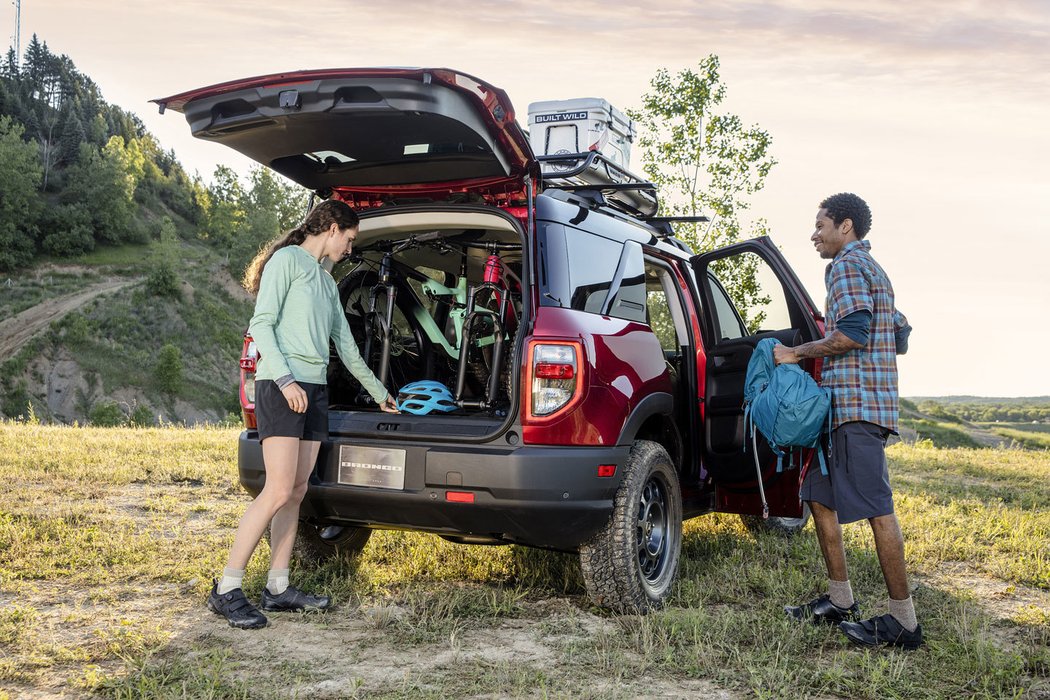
941,434
1034,436
109,539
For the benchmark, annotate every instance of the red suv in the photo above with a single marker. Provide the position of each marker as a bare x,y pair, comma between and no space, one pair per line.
595,365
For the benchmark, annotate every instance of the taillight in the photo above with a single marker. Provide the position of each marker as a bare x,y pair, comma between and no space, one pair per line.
247,363
251,356
555,372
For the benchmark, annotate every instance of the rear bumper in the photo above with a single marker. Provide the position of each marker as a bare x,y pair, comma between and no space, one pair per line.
539,496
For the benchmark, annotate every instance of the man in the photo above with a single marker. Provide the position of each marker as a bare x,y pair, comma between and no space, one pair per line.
863,334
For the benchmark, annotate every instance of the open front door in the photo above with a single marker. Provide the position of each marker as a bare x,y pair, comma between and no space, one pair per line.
750,293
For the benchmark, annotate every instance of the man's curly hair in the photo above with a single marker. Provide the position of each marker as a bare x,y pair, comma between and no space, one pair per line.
847,205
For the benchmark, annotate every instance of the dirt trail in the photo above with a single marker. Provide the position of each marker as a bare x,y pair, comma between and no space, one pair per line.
17,330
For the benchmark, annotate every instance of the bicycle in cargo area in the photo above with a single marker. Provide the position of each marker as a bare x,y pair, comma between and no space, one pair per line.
449,330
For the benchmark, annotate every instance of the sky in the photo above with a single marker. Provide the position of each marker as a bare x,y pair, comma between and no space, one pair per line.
935,112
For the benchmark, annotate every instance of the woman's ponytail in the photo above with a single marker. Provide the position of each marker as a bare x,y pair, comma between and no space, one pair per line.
319,220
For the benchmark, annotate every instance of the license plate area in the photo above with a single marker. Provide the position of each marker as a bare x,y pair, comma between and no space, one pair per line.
377,467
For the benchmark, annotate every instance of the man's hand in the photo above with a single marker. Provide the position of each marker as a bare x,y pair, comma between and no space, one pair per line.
296,397
783,355
388,405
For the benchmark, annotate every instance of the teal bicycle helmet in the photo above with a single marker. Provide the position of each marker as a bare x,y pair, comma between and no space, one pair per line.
424,397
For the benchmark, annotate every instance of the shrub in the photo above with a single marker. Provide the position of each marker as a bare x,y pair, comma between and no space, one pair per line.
75,329
162,280
66,230
142,417
16,401
168,370
107,414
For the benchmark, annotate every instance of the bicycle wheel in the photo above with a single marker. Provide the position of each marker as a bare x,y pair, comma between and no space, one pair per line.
409,349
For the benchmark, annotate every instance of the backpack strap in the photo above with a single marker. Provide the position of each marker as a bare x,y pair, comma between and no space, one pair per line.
758,477
749,424
820,451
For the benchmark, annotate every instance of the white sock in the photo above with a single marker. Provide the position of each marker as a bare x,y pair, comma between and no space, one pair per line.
231,579
904,612
841,593
277,581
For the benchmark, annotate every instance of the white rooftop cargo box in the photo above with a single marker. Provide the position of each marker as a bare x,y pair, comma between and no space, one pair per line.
576,126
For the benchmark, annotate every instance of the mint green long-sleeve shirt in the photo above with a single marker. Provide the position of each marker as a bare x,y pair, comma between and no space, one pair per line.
297,311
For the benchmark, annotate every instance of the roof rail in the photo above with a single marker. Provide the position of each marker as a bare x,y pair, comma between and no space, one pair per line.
592,171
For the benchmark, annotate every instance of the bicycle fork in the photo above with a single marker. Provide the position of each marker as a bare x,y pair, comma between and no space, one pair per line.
472,315
386,321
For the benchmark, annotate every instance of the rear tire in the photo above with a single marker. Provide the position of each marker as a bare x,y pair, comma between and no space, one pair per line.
316,544
631,564
780,526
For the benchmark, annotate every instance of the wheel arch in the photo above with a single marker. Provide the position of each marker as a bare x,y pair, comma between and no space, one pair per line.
652,419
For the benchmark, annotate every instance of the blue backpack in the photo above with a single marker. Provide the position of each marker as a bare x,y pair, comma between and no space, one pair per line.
785,404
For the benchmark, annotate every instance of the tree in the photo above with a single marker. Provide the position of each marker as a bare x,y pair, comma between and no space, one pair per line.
163,280
72,135
20,175
225,215
101,183
706,163
168,370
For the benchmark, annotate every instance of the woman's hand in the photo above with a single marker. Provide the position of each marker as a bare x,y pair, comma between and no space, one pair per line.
296,397
388,405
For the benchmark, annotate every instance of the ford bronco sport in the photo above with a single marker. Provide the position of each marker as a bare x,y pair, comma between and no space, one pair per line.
597,364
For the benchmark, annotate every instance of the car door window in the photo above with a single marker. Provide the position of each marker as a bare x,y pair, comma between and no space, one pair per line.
748,283
730,327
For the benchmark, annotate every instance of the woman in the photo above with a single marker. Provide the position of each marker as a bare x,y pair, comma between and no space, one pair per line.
296,313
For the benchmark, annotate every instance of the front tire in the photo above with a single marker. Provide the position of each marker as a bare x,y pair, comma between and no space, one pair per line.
631,564
316,544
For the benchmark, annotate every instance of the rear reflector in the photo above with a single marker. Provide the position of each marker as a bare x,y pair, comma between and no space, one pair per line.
550,370
606,470
459,496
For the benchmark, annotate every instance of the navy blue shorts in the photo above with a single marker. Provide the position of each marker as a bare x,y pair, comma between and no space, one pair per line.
276,419
857,486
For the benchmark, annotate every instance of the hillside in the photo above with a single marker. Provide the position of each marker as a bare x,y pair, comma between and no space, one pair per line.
98,354
118,271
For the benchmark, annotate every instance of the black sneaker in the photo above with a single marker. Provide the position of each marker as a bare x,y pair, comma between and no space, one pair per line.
293,599
234,606
822,611
882,630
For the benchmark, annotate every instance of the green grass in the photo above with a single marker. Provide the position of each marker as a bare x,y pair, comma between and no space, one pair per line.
1029,427
1034,438
22,291
940,434
109,538
128,255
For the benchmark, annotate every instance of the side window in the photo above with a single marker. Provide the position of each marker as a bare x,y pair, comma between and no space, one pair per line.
753,289
587,272
593,261
629,300
663,308
730,327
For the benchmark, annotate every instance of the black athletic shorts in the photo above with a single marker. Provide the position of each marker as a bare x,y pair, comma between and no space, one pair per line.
857,486
275,418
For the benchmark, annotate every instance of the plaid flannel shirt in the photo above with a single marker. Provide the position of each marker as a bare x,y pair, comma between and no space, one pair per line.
863,381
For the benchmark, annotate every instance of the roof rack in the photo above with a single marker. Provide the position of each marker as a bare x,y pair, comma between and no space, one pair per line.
610,182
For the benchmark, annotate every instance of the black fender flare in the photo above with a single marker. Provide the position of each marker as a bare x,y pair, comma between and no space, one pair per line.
659,403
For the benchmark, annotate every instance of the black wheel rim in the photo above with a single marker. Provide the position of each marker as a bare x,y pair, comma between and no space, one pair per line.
653,531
